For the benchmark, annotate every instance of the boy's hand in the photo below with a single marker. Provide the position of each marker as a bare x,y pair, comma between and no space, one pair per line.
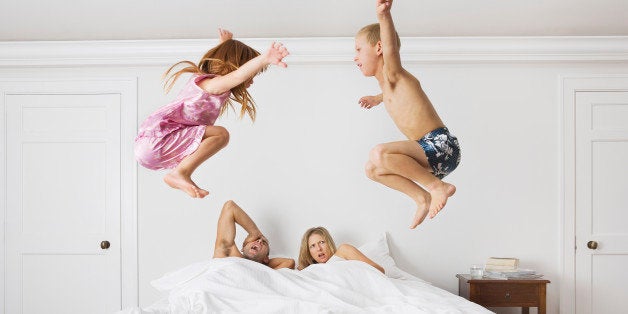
369,102
276,53
383,6
224,35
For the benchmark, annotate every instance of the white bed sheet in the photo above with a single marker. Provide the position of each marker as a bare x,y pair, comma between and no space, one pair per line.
236,285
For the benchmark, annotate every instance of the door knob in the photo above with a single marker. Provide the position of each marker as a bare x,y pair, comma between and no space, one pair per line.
105,245
592,245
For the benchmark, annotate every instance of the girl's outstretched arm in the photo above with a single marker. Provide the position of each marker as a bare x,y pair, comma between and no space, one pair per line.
221,84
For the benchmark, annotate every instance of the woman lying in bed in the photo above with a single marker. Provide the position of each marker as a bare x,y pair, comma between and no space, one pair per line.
317,246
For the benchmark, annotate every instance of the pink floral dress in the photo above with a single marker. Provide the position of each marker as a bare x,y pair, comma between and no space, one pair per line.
176,130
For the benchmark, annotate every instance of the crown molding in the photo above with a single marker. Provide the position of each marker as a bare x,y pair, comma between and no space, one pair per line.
316,50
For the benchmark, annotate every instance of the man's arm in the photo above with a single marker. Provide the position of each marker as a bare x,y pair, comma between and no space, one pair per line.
388,36
225,238
281,262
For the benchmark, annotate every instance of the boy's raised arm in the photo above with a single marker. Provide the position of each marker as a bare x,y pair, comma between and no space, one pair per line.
387,33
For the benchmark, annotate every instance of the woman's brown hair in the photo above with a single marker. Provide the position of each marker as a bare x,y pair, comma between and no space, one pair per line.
225,58
305,258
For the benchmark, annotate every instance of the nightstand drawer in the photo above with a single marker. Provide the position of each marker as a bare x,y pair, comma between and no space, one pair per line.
524,293
498,294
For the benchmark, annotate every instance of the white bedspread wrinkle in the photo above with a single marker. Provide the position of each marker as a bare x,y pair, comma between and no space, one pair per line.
236,285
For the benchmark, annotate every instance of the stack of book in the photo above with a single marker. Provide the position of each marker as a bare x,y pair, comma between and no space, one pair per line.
501,263
507,268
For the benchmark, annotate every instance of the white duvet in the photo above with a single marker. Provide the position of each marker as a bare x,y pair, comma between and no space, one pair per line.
236,285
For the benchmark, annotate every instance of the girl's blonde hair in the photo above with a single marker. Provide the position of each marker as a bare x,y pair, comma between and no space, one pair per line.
305,258
372,34
221,60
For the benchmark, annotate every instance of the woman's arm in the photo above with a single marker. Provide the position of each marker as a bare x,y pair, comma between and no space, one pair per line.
349,252
281,262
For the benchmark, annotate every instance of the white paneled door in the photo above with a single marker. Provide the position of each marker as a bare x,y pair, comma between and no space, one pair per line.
601,201
64,202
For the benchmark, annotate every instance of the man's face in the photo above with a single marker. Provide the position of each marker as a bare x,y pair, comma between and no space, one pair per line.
319,249
365,55
256,250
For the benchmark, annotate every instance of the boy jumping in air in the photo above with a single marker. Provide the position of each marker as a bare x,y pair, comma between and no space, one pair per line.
415,166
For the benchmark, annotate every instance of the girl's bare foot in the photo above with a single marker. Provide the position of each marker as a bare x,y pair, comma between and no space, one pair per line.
422,203
184,183
440,193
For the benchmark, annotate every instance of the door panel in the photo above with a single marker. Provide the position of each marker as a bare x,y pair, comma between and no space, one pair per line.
608,284
66,283
610,183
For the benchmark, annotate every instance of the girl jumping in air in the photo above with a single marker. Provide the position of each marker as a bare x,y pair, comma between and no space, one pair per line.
182,135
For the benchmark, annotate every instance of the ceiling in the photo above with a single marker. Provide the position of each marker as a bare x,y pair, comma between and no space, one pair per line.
26,20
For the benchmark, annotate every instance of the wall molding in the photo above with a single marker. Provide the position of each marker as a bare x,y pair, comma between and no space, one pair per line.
317,50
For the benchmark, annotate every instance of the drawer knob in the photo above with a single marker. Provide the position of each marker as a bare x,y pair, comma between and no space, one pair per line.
592,245
507,296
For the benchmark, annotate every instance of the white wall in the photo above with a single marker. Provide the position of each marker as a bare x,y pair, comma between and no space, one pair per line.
301,164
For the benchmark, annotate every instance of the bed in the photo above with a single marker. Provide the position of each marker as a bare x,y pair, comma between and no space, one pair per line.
236,285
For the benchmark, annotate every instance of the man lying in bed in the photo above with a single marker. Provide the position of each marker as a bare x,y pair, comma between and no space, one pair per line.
255,246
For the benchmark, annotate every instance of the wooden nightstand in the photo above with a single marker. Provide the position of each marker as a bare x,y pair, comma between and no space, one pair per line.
524,293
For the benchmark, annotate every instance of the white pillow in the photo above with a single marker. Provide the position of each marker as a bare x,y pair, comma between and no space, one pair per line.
378,251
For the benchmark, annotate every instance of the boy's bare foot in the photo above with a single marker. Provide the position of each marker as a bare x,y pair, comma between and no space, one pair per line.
440,193
422,203
184,183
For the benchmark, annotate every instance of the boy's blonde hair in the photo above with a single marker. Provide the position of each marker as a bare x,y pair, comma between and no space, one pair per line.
225,58
372,34
305,258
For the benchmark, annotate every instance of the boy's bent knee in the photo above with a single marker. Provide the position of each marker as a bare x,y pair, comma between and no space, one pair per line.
373,171
377,153
369,169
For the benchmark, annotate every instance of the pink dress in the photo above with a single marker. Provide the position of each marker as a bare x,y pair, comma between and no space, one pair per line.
176,130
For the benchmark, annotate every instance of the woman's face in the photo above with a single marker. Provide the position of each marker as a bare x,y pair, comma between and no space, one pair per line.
319,250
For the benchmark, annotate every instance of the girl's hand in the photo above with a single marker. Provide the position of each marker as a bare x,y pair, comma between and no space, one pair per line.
224,35
368,102
276,53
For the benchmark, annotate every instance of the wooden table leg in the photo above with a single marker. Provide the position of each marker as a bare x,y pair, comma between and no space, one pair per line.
542,290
